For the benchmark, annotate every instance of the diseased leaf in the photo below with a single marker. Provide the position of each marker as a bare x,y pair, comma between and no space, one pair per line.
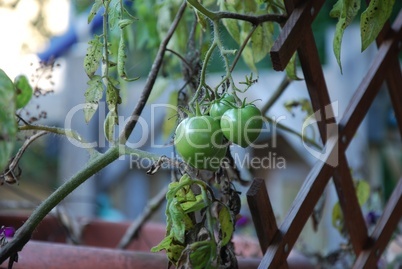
108,125
372,20
226,225
93,95
23,91
94,55
164,244
180,221
95,8
169,122
112,96
8,122
346,11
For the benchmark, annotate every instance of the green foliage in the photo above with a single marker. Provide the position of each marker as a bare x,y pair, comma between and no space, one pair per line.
345,11
93,95
373,19
371,22
23,91
8,126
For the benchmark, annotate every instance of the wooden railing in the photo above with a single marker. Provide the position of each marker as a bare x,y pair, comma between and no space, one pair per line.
277,242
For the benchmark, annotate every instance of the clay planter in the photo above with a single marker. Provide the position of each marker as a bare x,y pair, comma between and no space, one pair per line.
48,248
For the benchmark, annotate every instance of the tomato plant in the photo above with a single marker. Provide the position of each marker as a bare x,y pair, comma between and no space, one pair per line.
220,106
199,141
242,126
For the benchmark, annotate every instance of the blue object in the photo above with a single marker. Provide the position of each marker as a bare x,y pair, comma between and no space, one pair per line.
61,44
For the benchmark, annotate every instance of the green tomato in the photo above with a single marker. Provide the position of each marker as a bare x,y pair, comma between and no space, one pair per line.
242,126
220,106
199,141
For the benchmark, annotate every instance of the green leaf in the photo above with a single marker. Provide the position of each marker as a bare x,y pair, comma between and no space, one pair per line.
180,221
24,91
201,19
372,20
93,95
94,55
362,192
291,68
108,125
169,122
337,217
95,7
112,96
114,13
195,205
231,25
125,22
262,41
8,122
164,244
346,11
202,254
226,225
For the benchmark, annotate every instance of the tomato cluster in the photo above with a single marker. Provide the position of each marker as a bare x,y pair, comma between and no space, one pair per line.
200,139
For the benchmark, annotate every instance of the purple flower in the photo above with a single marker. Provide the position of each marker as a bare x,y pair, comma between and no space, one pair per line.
7,232
242,221
372,217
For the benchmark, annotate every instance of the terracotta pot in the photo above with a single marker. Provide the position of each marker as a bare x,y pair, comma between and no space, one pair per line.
47,249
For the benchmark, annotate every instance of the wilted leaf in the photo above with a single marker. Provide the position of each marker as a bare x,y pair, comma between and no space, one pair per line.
226,225
24,91
94,55
180,221
195,205
372,20
8,123
93,95
202,254
164,244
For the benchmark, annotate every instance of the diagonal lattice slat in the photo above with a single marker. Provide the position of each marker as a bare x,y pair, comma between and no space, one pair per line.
297,35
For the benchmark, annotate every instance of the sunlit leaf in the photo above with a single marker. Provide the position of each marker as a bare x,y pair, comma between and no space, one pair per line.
24,91
93,95
372,20
94,55
226,225
8,124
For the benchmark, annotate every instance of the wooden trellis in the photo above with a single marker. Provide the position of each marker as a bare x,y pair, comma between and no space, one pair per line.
277,242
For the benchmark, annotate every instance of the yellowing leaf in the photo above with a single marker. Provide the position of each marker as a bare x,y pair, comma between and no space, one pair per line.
362,192
261,41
